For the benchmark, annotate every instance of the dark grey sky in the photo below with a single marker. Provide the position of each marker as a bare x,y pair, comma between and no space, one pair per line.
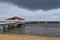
36,9
36,4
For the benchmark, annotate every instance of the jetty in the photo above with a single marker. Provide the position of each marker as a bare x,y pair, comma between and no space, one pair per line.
11,22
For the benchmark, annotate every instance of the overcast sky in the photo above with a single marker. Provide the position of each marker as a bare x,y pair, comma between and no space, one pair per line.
31,10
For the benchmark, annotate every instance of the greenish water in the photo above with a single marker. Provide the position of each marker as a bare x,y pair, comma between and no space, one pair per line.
49,30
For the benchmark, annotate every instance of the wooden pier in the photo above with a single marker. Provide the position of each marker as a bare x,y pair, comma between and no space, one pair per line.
9,25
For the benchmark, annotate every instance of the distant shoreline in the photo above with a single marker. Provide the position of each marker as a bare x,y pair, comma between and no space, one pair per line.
32,22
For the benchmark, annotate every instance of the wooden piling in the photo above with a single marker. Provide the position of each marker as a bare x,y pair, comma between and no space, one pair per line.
4,29
13,26
8,26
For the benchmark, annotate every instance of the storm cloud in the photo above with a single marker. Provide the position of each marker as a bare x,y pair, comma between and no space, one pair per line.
35,4
20,8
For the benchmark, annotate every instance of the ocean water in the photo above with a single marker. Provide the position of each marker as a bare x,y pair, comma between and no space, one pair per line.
49,30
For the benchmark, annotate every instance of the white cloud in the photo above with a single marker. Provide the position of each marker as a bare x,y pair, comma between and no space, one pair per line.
7,10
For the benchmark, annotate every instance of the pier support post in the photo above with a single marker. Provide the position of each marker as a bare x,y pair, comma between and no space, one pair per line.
3,29
8,27
12,25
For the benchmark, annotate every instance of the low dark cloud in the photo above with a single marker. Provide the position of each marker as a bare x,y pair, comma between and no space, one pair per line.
35,4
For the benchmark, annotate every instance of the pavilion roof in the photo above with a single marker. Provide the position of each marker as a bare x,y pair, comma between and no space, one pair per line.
15,17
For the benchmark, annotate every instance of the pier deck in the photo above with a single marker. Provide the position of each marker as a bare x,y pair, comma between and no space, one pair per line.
8,25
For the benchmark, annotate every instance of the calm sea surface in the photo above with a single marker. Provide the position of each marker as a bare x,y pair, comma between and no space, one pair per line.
49,30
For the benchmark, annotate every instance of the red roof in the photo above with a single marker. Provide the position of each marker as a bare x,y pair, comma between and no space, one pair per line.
15,17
